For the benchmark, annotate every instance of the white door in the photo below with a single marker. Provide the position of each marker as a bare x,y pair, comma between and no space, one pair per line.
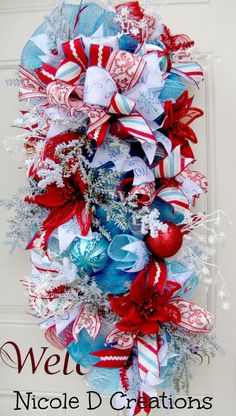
211,23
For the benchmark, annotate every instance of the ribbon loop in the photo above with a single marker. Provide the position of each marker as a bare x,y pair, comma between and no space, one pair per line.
99,55
74,51
69,71
193,318
121,105
59,93
125,68
99,87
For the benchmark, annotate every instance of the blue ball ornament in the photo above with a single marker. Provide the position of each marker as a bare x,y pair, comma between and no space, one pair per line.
89,255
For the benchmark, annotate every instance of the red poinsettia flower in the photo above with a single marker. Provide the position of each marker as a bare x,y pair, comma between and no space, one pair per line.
147,303
179,116
63,203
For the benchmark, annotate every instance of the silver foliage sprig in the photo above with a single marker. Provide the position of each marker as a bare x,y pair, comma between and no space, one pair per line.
79,289
102,191
72,159
25,219
188,347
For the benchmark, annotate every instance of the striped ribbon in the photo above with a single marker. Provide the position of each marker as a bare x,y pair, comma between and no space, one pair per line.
172,164
191,71
134,124
121,105
70,68
69,71
176,198
147,355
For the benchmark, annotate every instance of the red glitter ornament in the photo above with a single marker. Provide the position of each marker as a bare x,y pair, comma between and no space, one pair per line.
166,244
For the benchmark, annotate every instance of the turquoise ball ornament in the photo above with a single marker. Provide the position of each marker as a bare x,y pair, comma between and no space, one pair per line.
89,255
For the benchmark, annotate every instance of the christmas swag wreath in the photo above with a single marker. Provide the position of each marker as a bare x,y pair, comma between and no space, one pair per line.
117,250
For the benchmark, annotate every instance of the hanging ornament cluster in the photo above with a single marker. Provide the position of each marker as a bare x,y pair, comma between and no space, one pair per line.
117,251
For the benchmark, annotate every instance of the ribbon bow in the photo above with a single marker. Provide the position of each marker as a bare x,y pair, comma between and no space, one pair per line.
95,87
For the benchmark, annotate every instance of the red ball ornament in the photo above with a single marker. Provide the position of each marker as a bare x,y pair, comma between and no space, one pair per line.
166,244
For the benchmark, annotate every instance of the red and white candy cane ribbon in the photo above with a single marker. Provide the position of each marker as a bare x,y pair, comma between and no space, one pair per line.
91,322
173,164
174,196
193,317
